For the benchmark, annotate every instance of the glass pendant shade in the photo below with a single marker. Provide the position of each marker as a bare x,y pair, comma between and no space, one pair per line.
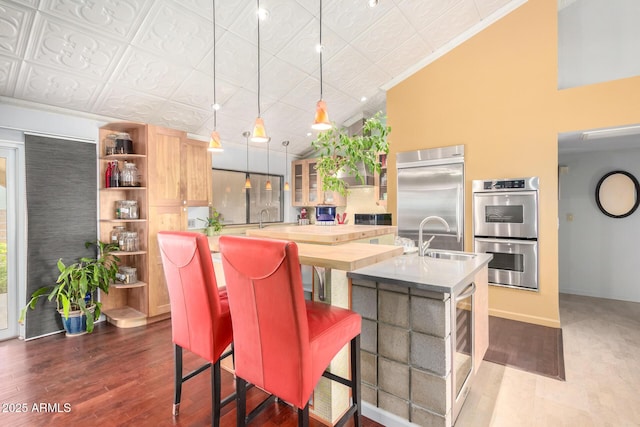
268,185
286,186
247,183
321,121
259,132
215,145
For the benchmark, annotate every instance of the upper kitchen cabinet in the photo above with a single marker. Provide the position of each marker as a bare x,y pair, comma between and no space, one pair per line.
180,170
380,181
306,186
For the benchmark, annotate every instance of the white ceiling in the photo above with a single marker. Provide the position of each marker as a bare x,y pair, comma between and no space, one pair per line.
152,61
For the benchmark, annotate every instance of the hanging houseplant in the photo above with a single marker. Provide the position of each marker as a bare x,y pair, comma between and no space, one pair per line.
340,152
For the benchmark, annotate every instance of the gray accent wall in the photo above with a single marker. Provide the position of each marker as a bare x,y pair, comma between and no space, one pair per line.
61,216
598,255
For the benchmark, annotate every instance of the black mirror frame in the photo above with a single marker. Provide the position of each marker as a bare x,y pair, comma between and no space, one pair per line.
637,189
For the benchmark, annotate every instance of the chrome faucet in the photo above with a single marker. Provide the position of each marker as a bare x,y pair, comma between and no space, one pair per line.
423,246
260,218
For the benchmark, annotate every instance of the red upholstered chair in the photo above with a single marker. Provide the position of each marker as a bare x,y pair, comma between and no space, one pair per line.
282,343
200,317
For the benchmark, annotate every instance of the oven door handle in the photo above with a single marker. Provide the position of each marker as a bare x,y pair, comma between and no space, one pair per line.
468,293
501,240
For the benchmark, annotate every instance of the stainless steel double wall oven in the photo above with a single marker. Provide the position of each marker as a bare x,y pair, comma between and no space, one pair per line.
505,224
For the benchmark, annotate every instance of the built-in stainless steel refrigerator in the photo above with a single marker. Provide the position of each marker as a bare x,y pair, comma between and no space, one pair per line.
431,183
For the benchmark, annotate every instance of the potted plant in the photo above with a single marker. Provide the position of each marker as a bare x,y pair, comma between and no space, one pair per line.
214,223
76,288
340,152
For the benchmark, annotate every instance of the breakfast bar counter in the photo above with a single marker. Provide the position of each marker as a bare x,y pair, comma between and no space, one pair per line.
325,234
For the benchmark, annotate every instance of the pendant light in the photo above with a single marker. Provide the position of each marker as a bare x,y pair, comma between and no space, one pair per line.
259,131
247,183
321,121
286,164
268,184
215,145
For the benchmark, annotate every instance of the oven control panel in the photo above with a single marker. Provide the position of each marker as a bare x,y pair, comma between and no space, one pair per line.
501,185
514,184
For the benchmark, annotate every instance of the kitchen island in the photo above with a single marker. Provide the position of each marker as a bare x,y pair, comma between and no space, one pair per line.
424,334
332,251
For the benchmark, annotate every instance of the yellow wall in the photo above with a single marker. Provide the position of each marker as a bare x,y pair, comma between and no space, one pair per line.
497,94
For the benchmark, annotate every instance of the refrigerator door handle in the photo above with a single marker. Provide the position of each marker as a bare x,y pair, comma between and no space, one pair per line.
459,225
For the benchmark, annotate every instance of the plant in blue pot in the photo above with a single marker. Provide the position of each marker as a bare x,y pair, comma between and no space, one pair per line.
76,288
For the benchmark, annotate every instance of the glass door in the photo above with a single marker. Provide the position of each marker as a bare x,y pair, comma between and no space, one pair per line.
8,281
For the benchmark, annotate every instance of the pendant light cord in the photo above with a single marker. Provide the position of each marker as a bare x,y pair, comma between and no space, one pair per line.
215,111
258,13
321,49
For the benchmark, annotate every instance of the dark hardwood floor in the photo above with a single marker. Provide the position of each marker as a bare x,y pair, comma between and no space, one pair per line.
114,377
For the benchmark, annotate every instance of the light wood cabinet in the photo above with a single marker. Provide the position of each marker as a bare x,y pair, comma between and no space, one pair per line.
306,188
126,305
175,174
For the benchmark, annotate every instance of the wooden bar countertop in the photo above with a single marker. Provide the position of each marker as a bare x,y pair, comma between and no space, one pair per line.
347,257
321,234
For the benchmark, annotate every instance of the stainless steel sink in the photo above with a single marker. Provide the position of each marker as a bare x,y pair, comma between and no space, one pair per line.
455,256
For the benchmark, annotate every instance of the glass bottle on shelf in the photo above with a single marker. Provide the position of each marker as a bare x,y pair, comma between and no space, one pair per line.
110,144
129,175
107,176
115,234
115,175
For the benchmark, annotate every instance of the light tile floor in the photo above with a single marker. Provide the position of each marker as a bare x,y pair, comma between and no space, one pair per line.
602,365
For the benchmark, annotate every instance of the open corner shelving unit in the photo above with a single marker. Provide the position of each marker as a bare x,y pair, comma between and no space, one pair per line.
126,305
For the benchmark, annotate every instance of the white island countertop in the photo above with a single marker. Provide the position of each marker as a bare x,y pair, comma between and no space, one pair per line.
424,273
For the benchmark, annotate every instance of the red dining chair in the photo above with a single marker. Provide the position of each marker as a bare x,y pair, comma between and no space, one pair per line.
282,343
200,316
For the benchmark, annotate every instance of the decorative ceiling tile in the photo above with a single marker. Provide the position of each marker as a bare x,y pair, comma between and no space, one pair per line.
57,44
127,104
345,66
285,21
304,95
178,116
301,50
236,60
277,78
384,35
15,25
175,33
487,7
367,84
350,18
43,84
410,52
114,17
422,13
452,23
149,73
197,90
8,73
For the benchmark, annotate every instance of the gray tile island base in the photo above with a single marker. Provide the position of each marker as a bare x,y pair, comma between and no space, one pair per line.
413,350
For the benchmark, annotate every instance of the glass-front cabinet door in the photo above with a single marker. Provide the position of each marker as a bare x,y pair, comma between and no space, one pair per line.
298,183
312,186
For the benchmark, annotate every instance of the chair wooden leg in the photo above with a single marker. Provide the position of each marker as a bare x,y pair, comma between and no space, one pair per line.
355,380
303,416
216,390
177,358
241,402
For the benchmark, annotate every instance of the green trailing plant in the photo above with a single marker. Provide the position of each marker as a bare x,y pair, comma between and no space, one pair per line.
214,220
78,283
340,152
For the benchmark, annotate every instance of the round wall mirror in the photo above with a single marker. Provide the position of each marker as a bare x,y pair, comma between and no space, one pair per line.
617,194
